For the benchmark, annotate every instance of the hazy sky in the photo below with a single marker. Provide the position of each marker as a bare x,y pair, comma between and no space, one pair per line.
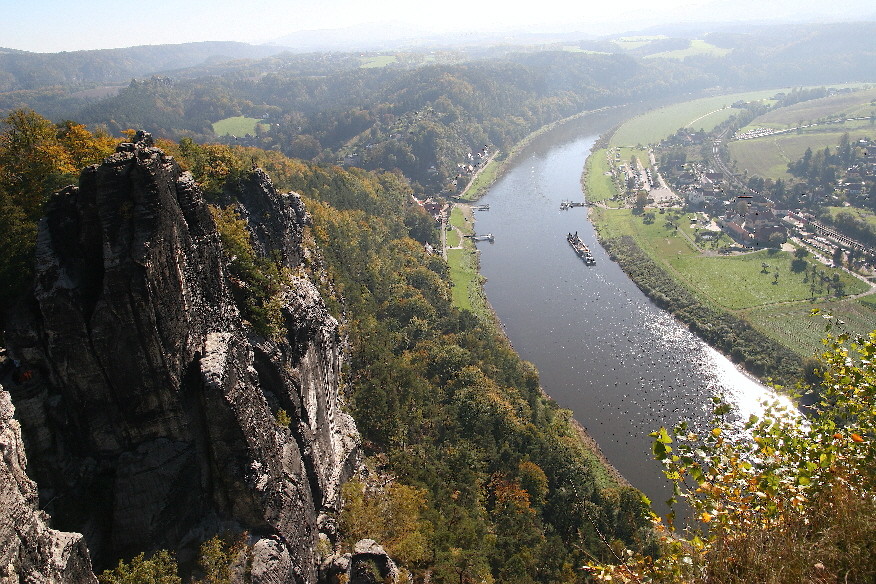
67,25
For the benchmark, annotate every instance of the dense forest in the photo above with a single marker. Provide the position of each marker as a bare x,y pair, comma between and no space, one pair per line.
423,113
422,121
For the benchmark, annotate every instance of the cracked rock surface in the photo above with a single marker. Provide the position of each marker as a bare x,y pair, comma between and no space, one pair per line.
150,419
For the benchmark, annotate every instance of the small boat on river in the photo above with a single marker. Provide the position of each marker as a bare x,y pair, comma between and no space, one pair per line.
581,248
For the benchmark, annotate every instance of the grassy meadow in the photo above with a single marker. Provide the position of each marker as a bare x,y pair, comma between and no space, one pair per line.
769,156
793,325
865,215
599,184
742,281
653,126
696,48
484,179
236,126
467,291
855,104
630,43
453,239
377,61
627,152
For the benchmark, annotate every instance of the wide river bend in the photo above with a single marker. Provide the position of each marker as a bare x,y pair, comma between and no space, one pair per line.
602,348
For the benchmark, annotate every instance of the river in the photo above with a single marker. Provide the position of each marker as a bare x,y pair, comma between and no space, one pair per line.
602,348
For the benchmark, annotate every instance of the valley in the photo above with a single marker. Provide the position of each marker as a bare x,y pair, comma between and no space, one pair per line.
272,315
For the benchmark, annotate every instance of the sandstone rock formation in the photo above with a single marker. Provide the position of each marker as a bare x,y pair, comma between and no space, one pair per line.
29,550
367,564
150,421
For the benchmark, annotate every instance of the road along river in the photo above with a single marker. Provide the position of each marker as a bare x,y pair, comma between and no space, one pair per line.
603,350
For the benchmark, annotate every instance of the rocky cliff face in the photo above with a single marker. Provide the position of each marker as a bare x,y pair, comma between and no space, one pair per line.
29,550
150,420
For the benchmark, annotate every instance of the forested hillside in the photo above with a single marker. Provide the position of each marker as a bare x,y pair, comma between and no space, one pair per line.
23,70
421,113
473,474
421,120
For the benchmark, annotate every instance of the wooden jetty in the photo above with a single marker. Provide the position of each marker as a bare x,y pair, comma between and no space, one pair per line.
581,248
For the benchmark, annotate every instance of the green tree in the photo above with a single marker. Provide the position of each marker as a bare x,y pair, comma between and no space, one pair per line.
160,568
37,158
257,282
33,162
216,556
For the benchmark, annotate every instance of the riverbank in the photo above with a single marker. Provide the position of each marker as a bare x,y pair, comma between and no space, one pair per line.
761,321
468,287
729,334
735,337
773,291
468,293
462,258
495,168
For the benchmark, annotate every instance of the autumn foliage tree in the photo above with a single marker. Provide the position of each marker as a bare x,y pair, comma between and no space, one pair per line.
37,158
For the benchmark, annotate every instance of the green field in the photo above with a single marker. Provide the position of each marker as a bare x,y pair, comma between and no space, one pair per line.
634,42
752,284
377,61
236,126
768,157
484,179
658,239
467,290
599,184
627,152
653,126
463,275
453,238
577,49
862,214
855,104
793,325
457,219
697,47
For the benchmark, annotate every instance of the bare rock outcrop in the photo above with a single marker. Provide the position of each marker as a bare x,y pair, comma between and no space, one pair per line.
29,550
150,421
367,564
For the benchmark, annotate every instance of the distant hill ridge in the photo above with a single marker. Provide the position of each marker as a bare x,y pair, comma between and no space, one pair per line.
22,70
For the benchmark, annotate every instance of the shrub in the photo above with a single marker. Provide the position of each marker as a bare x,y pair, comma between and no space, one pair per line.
257,282
160,568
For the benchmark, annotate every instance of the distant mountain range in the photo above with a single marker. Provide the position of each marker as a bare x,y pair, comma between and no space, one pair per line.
23,70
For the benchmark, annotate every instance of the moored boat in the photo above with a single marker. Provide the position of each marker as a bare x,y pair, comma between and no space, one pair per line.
580,248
